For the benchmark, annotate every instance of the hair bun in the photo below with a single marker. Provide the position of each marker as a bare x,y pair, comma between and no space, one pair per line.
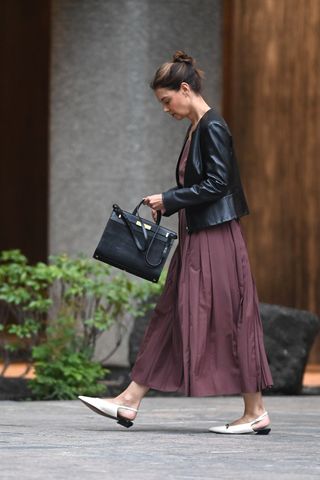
182,57
170,75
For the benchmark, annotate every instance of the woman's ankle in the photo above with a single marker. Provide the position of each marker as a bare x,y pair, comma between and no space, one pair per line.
253,405
128,399
133,394
254,413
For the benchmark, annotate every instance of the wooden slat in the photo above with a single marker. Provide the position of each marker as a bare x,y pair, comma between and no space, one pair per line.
272,102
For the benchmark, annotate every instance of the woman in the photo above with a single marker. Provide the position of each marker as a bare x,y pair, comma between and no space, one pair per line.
205,336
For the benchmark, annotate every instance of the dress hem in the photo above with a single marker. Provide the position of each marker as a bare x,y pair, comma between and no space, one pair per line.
207,394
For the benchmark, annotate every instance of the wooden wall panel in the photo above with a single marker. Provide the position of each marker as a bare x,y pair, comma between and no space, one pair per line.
272,102
24,91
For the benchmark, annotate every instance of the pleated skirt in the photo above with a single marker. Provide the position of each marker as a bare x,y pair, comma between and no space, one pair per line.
205,335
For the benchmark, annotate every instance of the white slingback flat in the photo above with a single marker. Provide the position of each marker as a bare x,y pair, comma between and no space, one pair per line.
107,409
243,428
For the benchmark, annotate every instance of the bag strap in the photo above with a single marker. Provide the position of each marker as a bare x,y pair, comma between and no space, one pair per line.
123,215
136,212
149,249
141,248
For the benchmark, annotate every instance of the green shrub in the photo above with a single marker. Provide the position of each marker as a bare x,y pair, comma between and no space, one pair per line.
56,312
24,304
65,376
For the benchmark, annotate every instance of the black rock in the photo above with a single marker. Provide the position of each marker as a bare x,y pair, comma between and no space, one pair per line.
14,389
288,334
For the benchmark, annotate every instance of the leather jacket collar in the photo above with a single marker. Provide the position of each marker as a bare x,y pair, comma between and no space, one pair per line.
212,192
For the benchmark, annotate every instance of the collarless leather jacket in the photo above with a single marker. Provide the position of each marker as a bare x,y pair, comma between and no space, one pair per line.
212,192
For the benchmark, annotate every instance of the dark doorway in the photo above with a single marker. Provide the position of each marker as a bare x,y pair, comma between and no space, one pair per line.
24,100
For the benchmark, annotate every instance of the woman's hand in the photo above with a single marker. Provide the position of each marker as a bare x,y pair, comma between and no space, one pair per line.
154,201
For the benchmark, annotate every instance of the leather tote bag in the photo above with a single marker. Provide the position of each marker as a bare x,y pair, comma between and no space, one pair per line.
135,244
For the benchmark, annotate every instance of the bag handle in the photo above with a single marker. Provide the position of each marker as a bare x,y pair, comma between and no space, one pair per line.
141,248
136,212
122,215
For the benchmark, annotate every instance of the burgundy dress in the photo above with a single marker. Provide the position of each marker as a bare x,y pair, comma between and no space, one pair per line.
205,335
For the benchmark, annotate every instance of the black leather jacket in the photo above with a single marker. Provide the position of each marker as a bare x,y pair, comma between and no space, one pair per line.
212,191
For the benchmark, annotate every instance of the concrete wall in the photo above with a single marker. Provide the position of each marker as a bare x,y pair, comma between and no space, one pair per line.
110,140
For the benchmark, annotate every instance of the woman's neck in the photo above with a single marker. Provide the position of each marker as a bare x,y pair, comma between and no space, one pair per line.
198,108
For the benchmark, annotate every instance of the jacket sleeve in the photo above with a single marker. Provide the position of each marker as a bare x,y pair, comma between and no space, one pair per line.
168,213
216,153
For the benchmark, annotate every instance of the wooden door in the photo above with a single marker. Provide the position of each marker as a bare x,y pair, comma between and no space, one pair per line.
272,102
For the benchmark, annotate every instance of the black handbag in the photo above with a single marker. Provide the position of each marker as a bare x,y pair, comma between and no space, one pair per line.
135,244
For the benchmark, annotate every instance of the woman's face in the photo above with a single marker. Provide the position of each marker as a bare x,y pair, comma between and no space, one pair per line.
174,102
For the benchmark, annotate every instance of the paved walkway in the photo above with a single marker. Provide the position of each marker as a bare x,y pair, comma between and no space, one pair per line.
169,440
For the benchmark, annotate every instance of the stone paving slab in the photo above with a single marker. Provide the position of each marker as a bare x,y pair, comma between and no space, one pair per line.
62,440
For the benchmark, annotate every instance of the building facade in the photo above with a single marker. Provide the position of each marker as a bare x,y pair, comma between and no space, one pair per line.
81,127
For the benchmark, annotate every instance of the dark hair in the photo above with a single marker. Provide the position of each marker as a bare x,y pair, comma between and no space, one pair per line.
182,69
